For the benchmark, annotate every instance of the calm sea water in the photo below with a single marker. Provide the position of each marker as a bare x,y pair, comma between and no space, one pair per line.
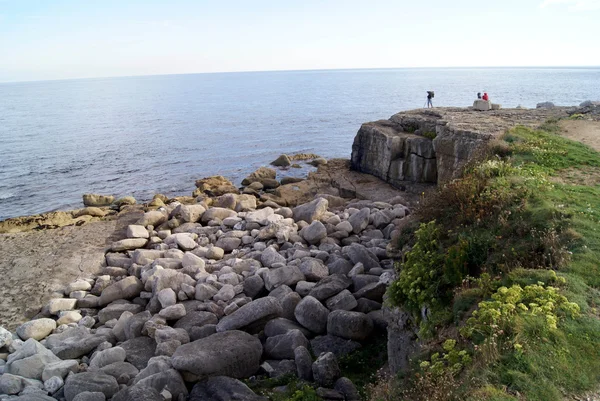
144,135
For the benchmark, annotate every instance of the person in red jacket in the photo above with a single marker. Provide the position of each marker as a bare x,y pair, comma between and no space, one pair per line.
485,96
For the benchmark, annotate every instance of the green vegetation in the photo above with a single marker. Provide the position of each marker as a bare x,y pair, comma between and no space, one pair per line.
430,134
504,265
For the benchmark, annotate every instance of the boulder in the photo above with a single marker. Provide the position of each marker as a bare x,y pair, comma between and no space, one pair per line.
137,231
219,213
60,369
355,326
214,186
358,253
92,382
37,329
191,213
482,105
106,357
326,370
330,286
313,269
282,325
57,305
347,388
270,256
304,362
259,175
232,353
310,211
329,343
129,287
288,275
314,233
139,350
282,346
253,285
342,301
195,319
311,314
114,311
97,200
138,393
223,388
256,312
360,220
128,244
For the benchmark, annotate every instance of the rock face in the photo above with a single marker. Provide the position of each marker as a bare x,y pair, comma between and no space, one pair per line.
432,146
232,353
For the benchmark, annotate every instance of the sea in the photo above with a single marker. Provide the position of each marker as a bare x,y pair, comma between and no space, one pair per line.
158,134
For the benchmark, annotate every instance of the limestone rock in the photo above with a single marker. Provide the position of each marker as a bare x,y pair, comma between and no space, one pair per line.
259,175
326,370
288,275
313,269
260,310
37,329
97,200
128,244
127,288
311,211
349,325
330,286
232,353
311,314
314,233
223,388
282,346
92,382
214,186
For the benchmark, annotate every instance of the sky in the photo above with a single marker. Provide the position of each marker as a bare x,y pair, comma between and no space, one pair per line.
64,39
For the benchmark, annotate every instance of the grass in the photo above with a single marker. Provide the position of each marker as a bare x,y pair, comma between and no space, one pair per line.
508,222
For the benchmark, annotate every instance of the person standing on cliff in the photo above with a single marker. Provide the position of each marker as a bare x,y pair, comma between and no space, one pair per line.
485,96
430,95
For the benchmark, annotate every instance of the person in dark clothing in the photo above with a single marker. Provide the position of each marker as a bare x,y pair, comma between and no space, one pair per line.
430,95
479,95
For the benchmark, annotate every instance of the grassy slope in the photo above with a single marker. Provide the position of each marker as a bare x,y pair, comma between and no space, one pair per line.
515,222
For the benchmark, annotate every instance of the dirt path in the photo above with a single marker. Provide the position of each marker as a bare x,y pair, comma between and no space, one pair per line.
584,131
34,264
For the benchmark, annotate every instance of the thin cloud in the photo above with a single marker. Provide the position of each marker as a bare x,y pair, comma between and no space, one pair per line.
576,5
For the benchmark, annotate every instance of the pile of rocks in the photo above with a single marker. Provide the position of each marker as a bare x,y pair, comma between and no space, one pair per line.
210,293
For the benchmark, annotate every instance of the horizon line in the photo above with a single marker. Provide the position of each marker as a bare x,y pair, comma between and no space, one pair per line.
303,70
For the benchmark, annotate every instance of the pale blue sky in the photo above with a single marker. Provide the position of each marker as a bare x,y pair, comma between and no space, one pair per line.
59,39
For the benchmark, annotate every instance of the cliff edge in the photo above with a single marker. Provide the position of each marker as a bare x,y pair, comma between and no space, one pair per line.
432,145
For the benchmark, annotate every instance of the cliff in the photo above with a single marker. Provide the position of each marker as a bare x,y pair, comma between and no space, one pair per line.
432,145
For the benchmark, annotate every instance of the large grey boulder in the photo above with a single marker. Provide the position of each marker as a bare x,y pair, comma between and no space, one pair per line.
106,357
138,393
129,287
258,311
223,388
30,360
329,343
115,310
139,351
358,253
313,269
341,301
270,256
60,369
283,345
128,244
326,369
360,220
311,314
288,275
195,319
232,353
350,325
169,379
310,211
330,286
122,371
304,362
314,233
74,343
253,285
92,382
37,329
281,325
347,388
218,213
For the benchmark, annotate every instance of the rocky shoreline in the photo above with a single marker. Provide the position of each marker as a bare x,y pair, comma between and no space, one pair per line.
214,288
277,278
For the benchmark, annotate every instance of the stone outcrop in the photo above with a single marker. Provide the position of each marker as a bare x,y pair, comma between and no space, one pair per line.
432,145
